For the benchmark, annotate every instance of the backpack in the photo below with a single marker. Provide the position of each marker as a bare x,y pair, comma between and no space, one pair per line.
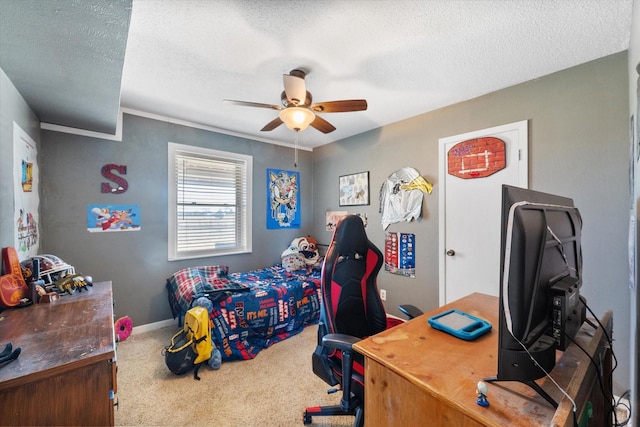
191,346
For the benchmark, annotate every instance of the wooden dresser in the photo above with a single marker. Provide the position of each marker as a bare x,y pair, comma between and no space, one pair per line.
66,372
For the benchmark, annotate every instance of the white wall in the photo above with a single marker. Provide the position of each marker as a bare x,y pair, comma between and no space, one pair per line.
634,111
13,108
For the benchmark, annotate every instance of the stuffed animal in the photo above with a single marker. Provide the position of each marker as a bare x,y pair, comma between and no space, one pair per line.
301,254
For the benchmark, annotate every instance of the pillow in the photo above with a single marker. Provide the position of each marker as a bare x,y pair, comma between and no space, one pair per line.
187,282
294,262
301,249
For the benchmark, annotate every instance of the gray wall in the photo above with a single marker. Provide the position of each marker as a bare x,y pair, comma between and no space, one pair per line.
13,108
136,262
578,147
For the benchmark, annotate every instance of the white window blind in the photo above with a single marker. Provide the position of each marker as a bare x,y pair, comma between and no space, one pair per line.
210,199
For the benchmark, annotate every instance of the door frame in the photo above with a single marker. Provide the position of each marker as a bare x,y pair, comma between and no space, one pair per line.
523,177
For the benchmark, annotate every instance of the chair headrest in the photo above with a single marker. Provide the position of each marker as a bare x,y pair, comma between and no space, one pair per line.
350,236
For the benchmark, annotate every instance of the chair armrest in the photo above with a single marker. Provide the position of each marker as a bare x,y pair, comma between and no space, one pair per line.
410,311
341,342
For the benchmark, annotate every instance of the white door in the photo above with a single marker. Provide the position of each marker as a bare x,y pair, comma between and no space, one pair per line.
470,212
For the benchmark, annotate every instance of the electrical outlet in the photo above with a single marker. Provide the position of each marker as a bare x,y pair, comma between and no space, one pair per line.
383,294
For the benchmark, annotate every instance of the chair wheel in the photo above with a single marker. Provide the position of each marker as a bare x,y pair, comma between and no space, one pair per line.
306,418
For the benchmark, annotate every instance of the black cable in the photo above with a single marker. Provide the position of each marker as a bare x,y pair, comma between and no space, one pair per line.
615,365
628,407
613,355
600,380
604,330
590,323
606,334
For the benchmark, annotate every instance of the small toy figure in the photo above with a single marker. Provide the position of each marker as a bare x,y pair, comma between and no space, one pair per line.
482,394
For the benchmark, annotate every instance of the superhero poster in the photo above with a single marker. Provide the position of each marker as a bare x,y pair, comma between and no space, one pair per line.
105,218
283,199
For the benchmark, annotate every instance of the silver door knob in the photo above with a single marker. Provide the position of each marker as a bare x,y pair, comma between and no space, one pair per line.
451,252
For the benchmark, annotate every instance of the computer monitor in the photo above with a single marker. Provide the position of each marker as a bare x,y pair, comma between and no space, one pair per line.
541,274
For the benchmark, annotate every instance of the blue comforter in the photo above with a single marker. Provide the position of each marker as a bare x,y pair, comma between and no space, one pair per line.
251,310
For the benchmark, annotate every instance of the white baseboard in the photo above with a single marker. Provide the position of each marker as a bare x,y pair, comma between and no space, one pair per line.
153,326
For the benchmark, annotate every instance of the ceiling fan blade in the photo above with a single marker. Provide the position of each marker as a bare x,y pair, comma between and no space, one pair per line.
294,87
252,104
340,106
272,125
322,125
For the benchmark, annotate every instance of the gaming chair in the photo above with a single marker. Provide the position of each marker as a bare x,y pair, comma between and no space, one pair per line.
351,310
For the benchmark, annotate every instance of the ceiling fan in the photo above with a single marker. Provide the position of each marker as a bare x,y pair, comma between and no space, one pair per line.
298,111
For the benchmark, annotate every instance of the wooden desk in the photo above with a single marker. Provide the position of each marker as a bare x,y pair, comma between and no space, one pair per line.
416,375
65,374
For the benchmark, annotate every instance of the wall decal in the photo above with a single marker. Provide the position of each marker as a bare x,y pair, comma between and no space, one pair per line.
283,199
476,158
101,218
401,196
122,183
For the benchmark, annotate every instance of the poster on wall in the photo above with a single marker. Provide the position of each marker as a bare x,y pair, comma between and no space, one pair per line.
109,218
25,193
399,254
332,218
283,199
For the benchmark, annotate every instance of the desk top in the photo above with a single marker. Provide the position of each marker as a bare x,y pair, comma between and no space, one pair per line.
449,368
72,331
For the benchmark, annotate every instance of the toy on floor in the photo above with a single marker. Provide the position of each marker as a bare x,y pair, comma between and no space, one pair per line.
124,325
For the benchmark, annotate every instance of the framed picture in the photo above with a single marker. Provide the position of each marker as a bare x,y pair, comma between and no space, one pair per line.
354,189
332,218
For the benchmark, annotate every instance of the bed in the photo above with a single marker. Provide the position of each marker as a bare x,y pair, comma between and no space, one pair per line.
250,310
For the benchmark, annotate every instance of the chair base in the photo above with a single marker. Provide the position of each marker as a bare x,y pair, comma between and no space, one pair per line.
315,411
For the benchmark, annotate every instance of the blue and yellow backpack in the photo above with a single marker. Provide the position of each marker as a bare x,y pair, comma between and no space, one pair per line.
191,346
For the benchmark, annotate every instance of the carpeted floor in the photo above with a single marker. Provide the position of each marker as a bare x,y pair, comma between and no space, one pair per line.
271,390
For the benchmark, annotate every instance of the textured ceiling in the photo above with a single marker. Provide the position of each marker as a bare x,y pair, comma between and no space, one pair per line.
65,57
183,57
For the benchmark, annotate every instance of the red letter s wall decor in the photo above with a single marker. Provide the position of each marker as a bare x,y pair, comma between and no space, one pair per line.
122,183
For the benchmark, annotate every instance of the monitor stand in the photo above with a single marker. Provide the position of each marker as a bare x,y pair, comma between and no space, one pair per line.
531,384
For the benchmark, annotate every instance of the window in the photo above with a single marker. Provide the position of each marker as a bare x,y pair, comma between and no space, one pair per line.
209,202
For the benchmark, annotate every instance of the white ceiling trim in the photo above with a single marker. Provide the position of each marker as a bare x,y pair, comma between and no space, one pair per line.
194,125
117,137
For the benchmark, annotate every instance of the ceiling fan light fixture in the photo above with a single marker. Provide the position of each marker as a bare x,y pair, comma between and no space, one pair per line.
297,118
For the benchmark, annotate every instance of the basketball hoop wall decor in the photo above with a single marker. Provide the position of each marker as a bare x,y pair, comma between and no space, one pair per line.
476,158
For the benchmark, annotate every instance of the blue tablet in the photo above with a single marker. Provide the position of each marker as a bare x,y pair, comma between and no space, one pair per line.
460,324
